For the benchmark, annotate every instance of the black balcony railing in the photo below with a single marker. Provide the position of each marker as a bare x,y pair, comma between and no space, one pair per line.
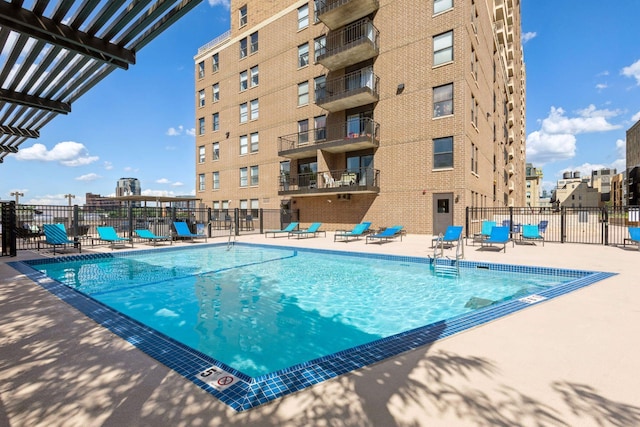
333,181
351,84
359,131
361,36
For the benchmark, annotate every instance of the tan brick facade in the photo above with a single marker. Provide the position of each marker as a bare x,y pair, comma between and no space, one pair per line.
395,180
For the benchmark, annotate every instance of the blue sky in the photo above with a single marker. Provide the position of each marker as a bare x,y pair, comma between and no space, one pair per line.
583,93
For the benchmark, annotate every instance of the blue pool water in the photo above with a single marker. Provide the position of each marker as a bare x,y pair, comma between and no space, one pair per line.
257,322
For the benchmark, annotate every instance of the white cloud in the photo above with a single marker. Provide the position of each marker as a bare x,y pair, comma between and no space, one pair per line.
67,153
632,70
88,177
130,169
601,86
108,166
544,148
528,36
163,181
177,184
158,193
191,132
175,132
636,116
224,3
591,120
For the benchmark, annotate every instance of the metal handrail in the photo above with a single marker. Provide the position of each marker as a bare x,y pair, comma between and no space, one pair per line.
367,128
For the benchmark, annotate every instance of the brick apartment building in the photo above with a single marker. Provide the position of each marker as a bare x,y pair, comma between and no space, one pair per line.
393,112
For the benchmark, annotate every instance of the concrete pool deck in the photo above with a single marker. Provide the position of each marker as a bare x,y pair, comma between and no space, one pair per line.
569,361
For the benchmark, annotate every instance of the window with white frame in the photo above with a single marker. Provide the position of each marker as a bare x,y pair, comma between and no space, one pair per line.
201,185
243,48
443,100
243,81
474,63
255,77
441,5
243,205
474,158
244,177
474,111
320,84
254,175
255,205
255,109
244,112
255,142
253,38
225,205
303,55
303,17
216,180
216,92
216,150
201,98
216,205
215,60
319,47
201,126
201,69
201,154
216,121
244,145
303,93
303,131
443,153
443,48
242,16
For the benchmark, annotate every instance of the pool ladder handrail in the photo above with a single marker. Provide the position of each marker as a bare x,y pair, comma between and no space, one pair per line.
231,234
438,253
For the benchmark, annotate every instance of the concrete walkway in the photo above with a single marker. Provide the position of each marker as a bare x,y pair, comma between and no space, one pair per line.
570,361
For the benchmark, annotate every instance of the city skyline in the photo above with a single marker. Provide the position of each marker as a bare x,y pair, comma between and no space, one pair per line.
581,88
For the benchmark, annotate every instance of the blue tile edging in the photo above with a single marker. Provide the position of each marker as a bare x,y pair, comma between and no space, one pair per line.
250,392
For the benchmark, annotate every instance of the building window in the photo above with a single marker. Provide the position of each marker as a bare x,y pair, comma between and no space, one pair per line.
443,48
242,16
201,154
215,59
443,153
216,92
201,70
216,180
244,145
216,121
254,42
320,126
474,64
254,175
320,84
474,17
216,205
243,81
254,203
441,5
303,17
243,177
474,111
319,47
254,76
243,112
243,48
303,93
303,131
201,126
474,158
201,186
443,100
255,142
303,55
216,151
255,109
201,98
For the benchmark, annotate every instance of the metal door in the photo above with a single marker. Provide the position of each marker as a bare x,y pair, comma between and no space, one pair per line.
442,212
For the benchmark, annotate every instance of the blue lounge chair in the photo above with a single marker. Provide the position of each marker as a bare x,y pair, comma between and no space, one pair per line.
386,234
56,235
183,232
357,232
542,226
288,229
150,237
108,234
312,231
452,235
634,236
498,236
531,232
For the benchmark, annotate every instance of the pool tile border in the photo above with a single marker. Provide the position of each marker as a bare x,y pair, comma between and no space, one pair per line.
251,392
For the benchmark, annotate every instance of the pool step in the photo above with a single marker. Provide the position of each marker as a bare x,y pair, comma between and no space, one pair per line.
445,268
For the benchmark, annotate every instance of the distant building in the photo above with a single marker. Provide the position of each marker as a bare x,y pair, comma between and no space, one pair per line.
601,180
534,179
98,201
633,164
619,189
129,187
575,192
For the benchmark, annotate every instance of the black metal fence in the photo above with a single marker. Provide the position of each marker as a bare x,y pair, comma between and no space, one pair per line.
22,225
603,226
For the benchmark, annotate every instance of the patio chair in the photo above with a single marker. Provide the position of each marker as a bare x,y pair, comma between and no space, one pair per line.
385,235
355,234
288,229
183,232
451,236
150,237
542,226
498,236
109,234
56,235
532,233
312,231
634,236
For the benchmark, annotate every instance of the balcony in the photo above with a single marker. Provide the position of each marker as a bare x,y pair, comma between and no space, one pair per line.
511,154
499,10
501,32
349,45
511,169
324,183
337,13
352,90
340,138
511,134
510,85
512,186
510,119
510,53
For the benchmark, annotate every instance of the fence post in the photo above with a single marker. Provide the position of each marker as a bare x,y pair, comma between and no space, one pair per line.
563,212
236,220
76,227
511,221
261,220
130,214
209,217
466,222
605,225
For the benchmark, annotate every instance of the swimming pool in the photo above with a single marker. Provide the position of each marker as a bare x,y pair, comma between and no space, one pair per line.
233,320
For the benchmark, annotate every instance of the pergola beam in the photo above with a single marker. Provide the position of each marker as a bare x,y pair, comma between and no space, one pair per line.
12,130
34,101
